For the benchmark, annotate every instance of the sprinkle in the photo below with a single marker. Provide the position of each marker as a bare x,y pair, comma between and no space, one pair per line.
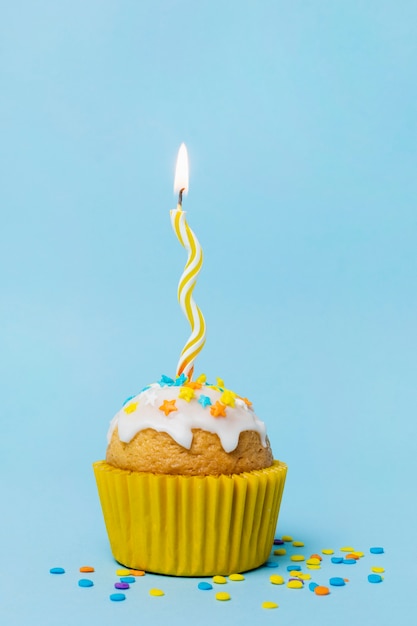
168,406
220,382
228,398
298,544
128,579
316,556
278,542
295,573
150,397
86,569
129,408
313,567
269,605
376,550
320,590
327,551
156,592
204,586
223,596
359,554
287,538
57,570
166,381
304,576
122,572
219,580
193,385
218,410
353,555
121,585
117,597
295,584
293,568
347,549
298,557
137,572
85,582
236,577
375,578
312,586
337,582
378,570
349,561
275,579
313,561
186,394
202,379
280,552
336,559
204,401
271,564
180,380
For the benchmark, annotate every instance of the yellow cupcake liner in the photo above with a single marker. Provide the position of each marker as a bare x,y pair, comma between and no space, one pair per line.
190,525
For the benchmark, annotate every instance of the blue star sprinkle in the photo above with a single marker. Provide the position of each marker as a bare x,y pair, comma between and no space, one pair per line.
204,401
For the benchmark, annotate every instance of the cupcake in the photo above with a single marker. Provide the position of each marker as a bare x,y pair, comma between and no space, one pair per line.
189,486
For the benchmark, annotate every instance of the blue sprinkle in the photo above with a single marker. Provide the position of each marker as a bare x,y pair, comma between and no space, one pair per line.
336,559
145,388
376,550
271,564
375,578
180,380
128,399
349,561
293,568
205,586
166,381
117,597
337,582
278,542
128,579
57,570
204,401
312,586
85,582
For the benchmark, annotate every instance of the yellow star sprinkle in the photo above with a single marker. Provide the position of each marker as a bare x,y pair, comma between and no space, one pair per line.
220,382
131,407
186,394
228,398
201,379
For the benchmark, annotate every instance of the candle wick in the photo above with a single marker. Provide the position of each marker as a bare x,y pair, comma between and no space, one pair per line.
180,196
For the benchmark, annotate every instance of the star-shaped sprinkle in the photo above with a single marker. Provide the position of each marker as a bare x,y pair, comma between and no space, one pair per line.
193,385
150,397
241,404
228,398
202,379
166,381
204,401
218,410
131,407
220,382
180,380
168,406
186,394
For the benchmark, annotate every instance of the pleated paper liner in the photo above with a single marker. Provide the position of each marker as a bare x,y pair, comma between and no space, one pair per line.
190,525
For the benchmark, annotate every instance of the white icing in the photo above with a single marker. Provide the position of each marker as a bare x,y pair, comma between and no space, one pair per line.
179,424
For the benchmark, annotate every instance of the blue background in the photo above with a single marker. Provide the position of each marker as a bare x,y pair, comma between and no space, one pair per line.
300,121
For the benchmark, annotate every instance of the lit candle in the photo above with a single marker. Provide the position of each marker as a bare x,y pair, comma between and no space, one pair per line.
192,268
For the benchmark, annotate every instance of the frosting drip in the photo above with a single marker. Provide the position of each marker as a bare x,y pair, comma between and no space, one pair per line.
178,407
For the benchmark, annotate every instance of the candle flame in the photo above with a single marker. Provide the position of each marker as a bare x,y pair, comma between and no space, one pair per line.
181,171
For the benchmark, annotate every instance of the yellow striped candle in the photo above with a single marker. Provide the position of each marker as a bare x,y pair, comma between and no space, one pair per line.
192,268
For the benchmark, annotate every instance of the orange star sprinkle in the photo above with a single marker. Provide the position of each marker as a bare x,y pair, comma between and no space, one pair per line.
218,410
193,385
168,406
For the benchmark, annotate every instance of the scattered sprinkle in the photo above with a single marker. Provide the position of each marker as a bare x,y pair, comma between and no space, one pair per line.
313,567
86,569
316,556
278,542
376,550
219,580
375,578
327,551
321,590
280,552
156,592
349,561
287,538
298,544
204,586
269,605
117,597
359,554
271,564
297,557
275,579
295,584
347,549
222,596
127,579
236,577
122,572
121,585
293,568
337,582
378,570
336,559
137,572
312,586
353,555
57,570
85,582
313,561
